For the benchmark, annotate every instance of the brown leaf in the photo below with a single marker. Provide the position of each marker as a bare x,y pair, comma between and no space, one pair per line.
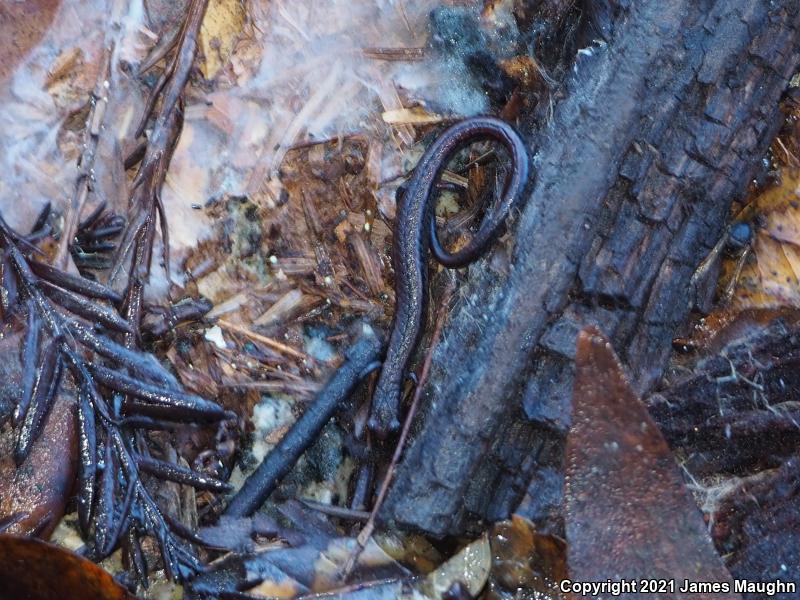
38,490
629,514
35,570
468,569
222,26
769,279
22,25
731,325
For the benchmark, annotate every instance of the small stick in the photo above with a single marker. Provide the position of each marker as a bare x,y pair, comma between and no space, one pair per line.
391,54
83,182
274,344
340,512
285,387
260,484
369,528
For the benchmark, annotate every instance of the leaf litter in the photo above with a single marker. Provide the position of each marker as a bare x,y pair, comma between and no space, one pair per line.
296,132
300,120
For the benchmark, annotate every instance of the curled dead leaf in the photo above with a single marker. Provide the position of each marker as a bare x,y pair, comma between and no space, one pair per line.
468,569
35,570
525,561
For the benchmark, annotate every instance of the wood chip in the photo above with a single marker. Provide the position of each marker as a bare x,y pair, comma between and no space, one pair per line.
410,116
285,306
267,341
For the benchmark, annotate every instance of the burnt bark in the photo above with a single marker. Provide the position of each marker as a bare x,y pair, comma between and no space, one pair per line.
662,124
738,413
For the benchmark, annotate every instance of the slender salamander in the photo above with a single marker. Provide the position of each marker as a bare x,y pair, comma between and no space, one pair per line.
415,233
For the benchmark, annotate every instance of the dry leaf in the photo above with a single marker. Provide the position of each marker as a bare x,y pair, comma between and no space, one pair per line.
628,512
469,568
222,26
769,278
526,561
35,570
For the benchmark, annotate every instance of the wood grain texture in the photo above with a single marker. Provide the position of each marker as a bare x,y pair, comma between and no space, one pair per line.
662,124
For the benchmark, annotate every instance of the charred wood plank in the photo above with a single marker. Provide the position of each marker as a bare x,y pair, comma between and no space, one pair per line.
661,126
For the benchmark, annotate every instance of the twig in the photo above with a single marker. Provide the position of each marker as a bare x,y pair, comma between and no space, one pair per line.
791,159
366,533
283,387
391,54
94,122
260,484
402,6
146,204
163,46
146,208
267,341
57,342
340,512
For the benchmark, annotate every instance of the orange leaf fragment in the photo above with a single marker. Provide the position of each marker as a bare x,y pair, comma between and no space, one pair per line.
35,570
628,513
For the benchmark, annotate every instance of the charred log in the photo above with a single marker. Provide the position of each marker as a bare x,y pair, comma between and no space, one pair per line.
662,124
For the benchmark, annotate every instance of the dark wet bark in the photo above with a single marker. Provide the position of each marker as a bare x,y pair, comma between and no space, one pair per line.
734,423
661,126
757,525
739,411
